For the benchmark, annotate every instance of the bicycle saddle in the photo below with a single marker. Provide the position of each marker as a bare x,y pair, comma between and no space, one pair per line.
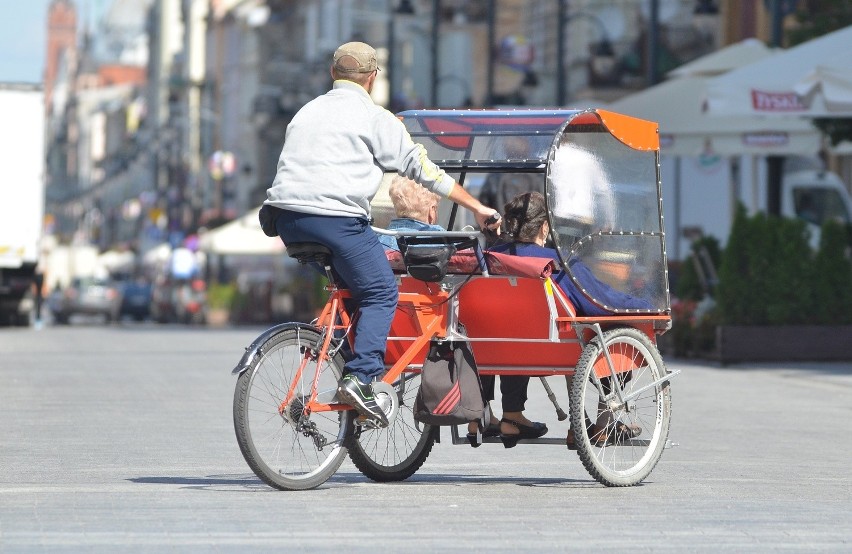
307,252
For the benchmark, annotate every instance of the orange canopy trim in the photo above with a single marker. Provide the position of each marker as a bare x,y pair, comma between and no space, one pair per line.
456,129
636,133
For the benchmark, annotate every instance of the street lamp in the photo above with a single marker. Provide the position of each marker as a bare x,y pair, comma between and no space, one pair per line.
654,43
603,53
705,19
436,24
403,8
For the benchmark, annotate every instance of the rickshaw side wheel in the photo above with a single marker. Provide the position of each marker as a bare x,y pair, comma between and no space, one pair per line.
619,442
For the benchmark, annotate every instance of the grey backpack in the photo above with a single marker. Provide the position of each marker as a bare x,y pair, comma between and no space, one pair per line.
450,391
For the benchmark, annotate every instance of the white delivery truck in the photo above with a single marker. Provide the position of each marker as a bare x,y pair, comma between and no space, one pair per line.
21,197
700,196
815,196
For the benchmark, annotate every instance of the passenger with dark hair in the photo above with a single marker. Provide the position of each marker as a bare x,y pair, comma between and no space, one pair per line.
527,229
526,226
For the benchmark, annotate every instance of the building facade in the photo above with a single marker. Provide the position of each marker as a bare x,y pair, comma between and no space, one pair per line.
144,152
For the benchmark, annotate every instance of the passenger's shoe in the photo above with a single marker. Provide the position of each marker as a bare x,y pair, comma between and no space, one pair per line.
360,396
491,430
617,434
621,432
534,431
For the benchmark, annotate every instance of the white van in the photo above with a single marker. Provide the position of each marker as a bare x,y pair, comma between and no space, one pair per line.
815,196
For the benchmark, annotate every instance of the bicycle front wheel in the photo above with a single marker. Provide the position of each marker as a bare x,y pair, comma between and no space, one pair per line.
620,439
396,452
288,449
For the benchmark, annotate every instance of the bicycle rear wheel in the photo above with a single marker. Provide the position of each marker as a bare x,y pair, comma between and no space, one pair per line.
605,428
290,450
396,452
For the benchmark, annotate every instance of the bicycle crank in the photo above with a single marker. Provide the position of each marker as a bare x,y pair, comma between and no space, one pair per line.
388,400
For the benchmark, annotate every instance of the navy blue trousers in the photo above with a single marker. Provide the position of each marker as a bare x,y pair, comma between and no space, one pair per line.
359,259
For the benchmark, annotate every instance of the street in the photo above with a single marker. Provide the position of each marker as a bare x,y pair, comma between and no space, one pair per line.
120,438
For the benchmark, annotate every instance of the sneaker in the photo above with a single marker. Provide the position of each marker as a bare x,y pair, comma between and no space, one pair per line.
360,396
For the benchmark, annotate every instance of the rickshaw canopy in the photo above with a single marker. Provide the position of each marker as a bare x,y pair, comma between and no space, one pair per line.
471,140
600,177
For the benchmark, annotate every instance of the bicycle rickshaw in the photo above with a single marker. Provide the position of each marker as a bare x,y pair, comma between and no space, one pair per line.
602,188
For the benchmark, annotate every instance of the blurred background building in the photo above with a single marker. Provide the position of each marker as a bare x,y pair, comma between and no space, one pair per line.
166,117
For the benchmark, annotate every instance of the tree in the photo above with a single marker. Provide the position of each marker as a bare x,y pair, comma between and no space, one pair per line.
766,276
734,279
833,276
815,18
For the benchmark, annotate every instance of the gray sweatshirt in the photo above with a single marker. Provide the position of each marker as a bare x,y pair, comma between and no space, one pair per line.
335,151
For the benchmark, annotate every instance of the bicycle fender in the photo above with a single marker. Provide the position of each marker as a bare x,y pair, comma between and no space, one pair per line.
253,350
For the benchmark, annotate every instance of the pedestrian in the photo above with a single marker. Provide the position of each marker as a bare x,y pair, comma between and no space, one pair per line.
336,148
500,188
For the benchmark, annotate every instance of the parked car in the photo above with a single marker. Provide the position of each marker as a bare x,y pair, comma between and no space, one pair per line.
179,301
136,297
86,296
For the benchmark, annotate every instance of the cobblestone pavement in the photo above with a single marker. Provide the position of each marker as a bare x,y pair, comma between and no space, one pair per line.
120,439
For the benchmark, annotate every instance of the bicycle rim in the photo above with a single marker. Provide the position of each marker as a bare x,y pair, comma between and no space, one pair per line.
610,457
290,450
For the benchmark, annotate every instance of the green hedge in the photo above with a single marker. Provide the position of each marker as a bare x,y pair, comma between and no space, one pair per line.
833,275
770,276
221,295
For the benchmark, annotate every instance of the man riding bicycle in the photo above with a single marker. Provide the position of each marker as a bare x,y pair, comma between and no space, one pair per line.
336,149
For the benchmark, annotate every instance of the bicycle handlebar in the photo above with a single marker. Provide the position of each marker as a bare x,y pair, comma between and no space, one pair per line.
447,234
469,235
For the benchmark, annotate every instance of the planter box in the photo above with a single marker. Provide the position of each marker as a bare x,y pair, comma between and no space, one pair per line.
753,343
218,317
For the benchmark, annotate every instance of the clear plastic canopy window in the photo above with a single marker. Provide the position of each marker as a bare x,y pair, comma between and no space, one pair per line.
601,183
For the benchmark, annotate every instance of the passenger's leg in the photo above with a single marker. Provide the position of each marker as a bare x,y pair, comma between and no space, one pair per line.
514,391
514,425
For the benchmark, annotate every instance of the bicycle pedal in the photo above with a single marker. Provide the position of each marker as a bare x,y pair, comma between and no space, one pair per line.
368,422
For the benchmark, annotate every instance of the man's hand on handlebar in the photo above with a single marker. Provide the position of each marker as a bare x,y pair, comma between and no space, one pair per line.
489,221
487,218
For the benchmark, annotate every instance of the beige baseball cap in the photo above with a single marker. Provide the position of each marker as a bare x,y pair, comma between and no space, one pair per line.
355,57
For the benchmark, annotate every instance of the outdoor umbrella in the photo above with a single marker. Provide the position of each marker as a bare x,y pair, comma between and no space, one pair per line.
685,130
813,79
241,236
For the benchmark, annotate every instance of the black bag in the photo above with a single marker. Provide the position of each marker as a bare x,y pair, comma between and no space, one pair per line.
450,391
267,216
428,263
426,258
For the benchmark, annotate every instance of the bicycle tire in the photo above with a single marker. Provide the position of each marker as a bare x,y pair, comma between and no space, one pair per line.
396,452
289,451
610,457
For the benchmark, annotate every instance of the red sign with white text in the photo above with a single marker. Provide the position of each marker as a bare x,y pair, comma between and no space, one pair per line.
763,101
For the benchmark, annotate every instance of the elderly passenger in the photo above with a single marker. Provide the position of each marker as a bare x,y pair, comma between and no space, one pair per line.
416,209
